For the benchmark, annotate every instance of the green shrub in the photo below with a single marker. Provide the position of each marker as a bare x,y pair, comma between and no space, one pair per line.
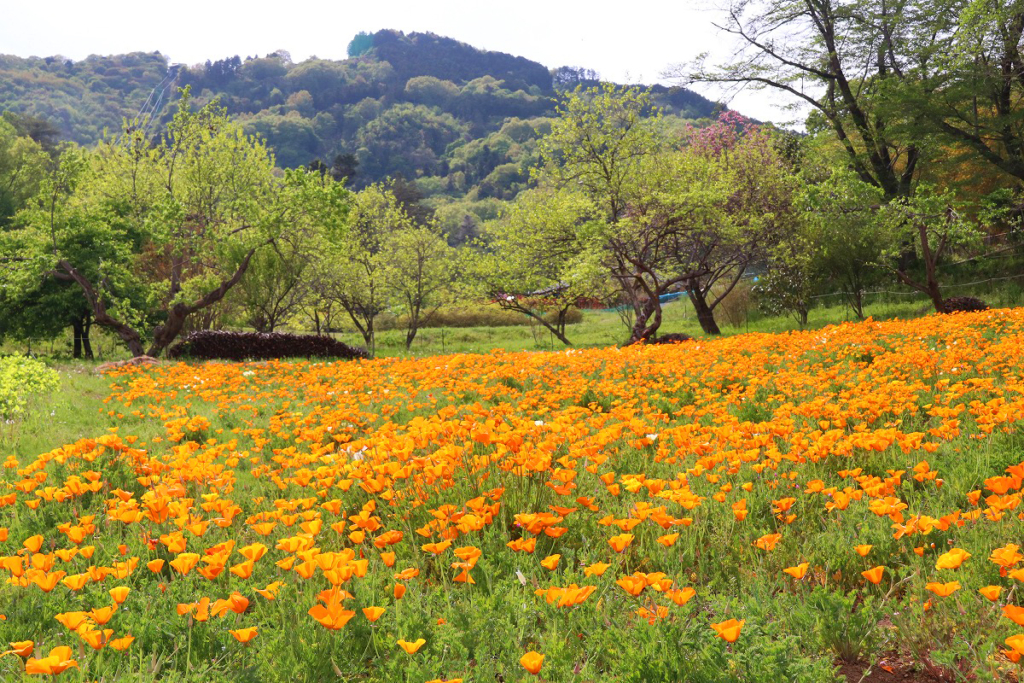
20,378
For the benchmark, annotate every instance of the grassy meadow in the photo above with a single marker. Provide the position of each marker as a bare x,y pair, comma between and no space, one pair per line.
776,505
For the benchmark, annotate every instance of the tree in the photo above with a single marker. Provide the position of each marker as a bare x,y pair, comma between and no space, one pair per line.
33,303
360,44
758,211
361,258
23,164
276,283
185,217
969,83
419,272
842,236
651,202
932,221
535,258
843,58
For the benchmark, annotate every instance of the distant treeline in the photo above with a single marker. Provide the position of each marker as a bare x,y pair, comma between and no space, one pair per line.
459,122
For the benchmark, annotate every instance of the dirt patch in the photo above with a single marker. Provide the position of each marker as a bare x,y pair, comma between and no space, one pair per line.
887,670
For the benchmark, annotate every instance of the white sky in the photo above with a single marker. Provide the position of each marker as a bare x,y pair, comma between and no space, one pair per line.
630,42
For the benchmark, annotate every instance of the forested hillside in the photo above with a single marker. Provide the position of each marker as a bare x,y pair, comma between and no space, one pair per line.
460,124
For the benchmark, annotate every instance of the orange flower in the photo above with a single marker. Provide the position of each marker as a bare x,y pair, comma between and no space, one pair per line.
244,635
1014,614
943,590
768,541
22,648
532,662
270,592
596,569
155,566
668,539
121,644
991,592
798,571
634,585
55,663
874,575
863,550
373,613
102,615
681,596
34,543
399,591
331,616
1007,556
1016,644
953,559
436,548
550,562
119,593
620,542
411,648
184,562
729,630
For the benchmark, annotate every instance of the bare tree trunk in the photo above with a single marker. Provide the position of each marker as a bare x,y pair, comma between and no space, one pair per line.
131,338
648,320
77,331
705,316
166,333
86,342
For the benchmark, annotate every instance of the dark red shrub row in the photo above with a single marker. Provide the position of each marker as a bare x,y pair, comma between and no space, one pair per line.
965,304
221,345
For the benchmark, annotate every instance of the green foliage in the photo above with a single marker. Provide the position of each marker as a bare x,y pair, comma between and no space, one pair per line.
407,140
322,108
22,166
153,234
360,44
20,378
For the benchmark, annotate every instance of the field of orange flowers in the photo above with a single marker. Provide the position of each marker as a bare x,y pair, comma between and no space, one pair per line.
753,508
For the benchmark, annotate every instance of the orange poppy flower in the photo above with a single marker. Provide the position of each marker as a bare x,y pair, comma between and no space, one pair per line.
244,635
668,539
991,592
768,541
798,571
729,630
953,559
411,648
943,590
102,615
532,662
550,562
121,644
1014,614
331,616
874,575
58,661
373,613
620,542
